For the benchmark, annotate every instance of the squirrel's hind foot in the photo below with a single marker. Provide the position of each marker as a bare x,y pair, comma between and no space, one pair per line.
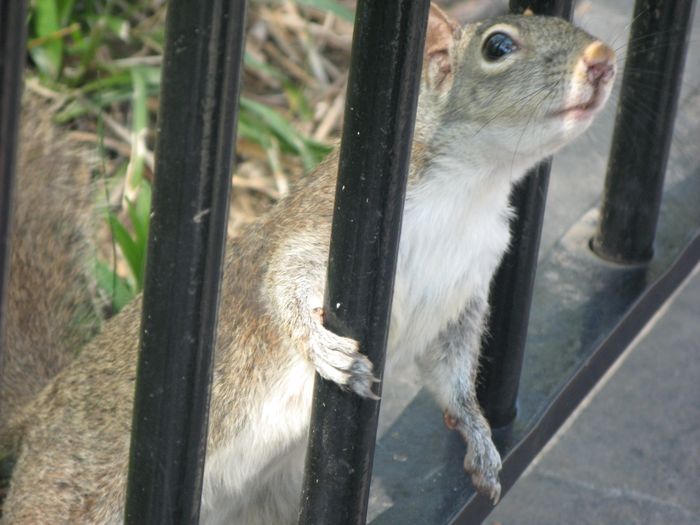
483,462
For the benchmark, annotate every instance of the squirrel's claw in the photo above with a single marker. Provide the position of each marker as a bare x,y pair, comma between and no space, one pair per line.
338,359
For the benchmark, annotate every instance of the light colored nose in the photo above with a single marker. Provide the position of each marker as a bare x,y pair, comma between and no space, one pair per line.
600,62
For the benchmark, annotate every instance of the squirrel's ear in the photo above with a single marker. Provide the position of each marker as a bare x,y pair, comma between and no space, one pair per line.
439,40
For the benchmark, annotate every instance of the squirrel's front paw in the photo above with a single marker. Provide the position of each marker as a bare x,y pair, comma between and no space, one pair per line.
483,462
338,359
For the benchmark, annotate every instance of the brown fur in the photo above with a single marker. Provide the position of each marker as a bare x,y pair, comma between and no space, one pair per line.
50,312
74,437
95,394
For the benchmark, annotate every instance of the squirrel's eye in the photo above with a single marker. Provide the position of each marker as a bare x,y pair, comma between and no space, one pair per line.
497,46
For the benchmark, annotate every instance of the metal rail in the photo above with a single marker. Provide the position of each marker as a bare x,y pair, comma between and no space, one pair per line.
13,35
651,84
197,120
383,86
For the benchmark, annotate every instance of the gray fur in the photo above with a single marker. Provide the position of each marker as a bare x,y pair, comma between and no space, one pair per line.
475,135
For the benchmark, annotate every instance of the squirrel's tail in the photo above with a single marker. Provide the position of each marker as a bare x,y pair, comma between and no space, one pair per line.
49,311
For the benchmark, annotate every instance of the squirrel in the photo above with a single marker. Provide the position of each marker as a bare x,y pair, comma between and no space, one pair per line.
51,309
496,97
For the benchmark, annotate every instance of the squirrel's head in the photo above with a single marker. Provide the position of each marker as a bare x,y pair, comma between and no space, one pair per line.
522,85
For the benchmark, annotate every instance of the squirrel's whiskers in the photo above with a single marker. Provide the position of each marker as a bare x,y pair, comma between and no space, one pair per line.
496,97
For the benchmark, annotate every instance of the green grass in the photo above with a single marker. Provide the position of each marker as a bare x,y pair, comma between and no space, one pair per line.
102,57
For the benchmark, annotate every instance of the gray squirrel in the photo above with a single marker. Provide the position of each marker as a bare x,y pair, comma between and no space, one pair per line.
496,97
51,309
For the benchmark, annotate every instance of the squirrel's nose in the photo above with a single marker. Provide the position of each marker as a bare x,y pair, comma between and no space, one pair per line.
598,72
600,62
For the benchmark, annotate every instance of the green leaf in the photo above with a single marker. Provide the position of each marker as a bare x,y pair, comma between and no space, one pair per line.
250,129
297,101
140,216
93,41
275,73
320,151
114,286
332,6
65,10
139,127
121,79
105,97
48,56
130,249
77,108
282,129
117,25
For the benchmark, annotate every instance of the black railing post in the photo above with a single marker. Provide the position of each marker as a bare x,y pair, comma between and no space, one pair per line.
13,35
511,290
198,109
376,144
643,130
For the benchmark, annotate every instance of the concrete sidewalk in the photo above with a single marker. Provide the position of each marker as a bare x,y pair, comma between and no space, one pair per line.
632,456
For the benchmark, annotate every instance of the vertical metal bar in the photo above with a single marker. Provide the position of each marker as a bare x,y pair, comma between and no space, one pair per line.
511,291
376,144
13,35
643,130
198,110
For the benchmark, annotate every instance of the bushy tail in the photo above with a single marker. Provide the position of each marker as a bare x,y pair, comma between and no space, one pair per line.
50,312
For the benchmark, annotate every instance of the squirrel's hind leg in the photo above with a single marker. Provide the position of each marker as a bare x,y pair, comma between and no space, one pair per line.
450,365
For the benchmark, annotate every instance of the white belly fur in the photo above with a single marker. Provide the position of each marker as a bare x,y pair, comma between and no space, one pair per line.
451,243
265,460
453,238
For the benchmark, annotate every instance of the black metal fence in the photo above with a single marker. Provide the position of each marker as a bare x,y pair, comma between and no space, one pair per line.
13,34
374,156
180,301
188,230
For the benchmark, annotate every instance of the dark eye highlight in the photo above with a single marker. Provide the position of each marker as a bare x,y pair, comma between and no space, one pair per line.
497,46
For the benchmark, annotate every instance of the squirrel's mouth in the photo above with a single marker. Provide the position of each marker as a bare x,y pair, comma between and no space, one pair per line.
592,83
585,110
